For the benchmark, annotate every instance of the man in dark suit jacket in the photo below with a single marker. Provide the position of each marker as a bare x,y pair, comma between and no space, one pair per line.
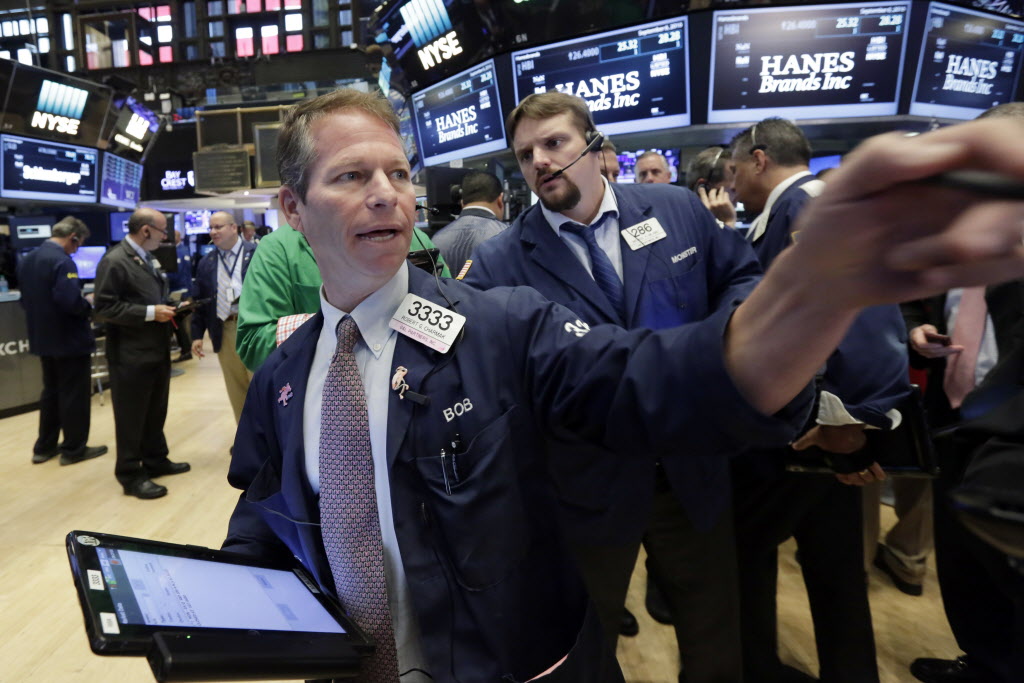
860,386
219,280
131,296
60,333
678,506
483,204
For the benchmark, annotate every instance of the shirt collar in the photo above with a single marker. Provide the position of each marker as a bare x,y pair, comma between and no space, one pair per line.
760,223
480,208
143,254
374,313
608,205
233,250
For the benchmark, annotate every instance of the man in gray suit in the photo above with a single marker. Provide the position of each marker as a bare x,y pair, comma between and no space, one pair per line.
483,204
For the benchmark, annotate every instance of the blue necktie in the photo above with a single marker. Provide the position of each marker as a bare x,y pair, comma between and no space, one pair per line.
600,265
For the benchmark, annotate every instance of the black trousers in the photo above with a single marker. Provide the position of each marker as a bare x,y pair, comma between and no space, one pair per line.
139,395
183,332
64,404
983,595
697,572
826,518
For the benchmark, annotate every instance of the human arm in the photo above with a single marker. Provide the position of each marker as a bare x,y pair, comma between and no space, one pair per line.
67,290
876,235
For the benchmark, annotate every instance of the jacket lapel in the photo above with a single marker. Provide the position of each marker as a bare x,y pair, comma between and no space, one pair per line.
551,254
634,263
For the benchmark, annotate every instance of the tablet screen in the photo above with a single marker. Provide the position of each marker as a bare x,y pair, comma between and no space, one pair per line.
164,590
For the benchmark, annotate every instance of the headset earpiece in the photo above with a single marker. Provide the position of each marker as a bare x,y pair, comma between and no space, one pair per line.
595,139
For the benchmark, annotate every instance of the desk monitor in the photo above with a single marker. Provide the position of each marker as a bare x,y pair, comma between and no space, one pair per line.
47,171
460,117
86,259
970,62
807,62
30,231
633,79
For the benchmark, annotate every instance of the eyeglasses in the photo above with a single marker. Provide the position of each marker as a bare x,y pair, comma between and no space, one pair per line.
162,232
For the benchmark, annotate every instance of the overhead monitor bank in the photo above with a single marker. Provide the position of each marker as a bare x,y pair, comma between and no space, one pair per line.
820,61
632,79
120,182
47,171
969,62
460,116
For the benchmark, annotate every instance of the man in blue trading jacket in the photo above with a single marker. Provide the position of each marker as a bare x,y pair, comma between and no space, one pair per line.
406,471
181,281
679,268
861,385
59,332
219,280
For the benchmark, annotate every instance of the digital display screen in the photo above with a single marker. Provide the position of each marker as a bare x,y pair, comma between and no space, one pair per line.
86,259
169,180
55,106
120,183
460,117
407,128
134,130
30,231
632,79
627,163
969,62
822,61
196,222
47,171
119,225
164,590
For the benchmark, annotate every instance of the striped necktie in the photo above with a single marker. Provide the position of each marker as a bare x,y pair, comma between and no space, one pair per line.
348,506
600,265
223,287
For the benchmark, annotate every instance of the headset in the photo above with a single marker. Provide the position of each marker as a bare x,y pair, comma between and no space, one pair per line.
595,139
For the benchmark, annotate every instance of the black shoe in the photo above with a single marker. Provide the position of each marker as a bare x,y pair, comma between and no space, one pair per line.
182,357
884,560
958,670
145,489
655,602
38,458
167,467
88,454
629,625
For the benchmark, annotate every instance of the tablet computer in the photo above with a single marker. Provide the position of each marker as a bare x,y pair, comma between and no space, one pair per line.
195,611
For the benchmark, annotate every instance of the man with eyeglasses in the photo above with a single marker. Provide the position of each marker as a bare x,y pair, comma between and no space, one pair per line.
130,297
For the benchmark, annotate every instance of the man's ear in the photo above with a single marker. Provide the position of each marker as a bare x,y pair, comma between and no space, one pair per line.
760,160
289,202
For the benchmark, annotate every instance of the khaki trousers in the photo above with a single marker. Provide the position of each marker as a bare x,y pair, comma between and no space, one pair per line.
236,376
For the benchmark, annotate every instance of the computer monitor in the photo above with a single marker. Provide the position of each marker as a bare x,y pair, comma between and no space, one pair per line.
119,225
86,259
121,182
807,62
30,231
627,163
825,162
47,171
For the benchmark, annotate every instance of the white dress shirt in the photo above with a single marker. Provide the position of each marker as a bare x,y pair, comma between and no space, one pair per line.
231,260
374,353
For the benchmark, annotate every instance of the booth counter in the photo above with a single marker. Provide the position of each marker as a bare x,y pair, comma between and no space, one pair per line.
21,375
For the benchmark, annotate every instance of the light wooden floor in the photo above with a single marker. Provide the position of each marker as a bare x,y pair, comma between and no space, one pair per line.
42,638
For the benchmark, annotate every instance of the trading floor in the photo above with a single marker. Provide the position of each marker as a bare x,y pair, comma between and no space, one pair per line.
42,638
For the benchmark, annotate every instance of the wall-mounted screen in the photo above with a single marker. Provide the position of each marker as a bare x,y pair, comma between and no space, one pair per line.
119,225
86,259
55,106
627,163
632,79
134,130
970,62
30,231
47,171
120,182
196,222
820,61
460,117
169,179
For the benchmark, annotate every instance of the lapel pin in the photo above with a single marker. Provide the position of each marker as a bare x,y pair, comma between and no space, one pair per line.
285,394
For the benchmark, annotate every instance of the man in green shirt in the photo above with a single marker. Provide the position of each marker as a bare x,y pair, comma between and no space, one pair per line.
282,289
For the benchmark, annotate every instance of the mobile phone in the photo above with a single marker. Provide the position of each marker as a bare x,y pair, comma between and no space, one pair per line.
936,338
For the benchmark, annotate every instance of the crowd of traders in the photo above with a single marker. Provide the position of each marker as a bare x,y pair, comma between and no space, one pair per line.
599,428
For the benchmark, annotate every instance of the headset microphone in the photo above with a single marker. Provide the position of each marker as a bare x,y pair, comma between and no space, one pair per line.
596,140
429,209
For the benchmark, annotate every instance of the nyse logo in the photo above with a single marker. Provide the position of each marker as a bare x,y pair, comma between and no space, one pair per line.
137,127
431,30
59,108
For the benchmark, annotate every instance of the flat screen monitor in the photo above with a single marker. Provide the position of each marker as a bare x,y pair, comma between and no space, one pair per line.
823,163
86,259
169,180
134,130
47,171
196,222
119,225
807,62
120,183
30,231
460,117
627,163
55,106
205,249
970,62
633,79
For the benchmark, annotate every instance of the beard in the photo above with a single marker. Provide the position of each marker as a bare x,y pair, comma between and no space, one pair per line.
566,200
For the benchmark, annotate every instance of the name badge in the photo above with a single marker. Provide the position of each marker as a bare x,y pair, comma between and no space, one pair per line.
644,233
427,322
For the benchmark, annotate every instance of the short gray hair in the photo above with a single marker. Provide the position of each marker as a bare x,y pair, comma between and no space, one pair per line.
68,226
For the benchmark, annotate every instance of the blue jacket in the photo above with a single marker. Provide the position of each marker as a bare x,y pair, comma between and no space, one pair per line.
869,370
697,270
183,278
494,590
205,316
51,294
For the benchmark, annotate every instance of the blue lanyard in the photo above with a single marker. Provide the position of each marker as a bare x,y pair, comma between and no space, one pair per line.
224,262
